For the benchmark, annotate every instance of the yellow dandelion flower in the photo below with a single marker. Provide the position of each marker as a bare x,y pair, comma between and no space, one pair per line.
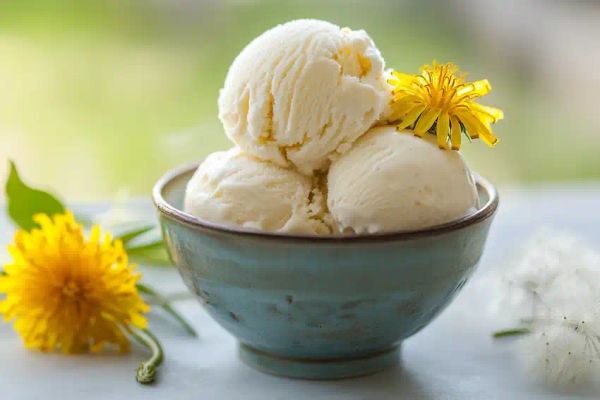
438,100
67,293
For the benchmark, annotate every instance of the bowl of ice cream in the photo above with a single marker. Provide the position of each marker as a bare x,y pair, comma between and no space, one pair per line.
327,234
321,307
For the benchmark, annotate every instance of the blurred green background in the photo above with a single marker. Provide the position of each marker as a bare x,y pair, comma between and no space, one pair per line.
101,97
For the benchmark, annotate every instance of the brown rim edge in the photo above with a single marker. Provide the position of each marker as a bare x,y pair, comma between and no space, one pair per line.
484,212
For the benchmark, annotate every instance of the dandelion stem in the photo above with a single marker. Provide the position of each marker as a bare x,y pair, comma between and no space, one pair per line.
179,296
511,333
156,298
146,372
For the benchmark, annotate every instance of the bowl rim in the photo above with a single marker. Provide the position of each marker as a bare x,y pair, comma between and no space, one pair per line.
164,208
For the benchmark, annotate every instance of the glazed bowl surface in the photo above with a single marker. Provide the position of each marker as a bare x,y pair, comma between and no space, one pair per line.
321,307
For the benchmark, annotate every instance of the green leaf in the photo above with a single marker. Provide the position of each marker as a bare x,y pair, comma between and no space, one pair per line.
128,236
157,244
24,201
151,252
155,258
162,302
511,333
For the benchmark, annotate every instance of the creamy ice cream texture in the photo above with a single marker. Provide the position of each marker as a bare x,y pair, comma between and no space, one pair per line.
302,92
298,102
391,181
233,188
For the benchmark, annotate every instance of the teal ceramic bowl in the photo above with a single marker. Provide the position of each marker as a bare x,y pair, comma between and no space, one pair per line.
321,307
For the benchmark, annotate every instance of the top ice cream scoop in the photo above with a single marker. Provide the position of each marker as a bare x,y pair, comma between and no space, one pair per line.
302,92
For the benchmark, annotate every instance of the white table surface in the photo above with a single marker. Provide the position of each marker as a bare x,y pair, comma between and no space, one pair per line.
453,358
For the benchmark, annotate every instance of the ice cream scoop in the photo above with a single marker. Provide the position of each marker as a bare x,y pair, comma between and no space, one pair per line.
302,92
233,188
393,181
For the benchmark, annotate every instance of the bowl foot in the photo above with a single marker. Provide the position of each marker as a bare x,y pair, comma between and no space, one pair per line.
319,369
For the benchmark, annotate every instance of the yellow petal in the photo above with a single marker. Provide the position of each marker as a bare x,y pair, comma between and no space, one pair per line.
95,234
42,220
475,126
405,104
402,77
474,89
470,127
489,138
426,121
490,113
139,320
401,108
442,130
411,117
455,134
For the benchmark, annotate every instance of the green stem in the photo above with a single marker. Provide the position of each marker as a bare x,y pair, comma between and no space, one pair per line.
170,298
146,372
179,296
163,302
511,333
187,327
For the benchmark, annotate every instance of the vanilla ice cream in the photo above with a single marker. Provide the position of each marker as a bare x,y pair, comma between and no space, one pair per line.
392,181
233,188
302,92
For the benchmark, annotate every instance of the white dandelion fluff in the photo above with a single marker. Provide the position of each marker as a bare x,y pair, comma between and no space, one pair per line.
561,352
554,290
